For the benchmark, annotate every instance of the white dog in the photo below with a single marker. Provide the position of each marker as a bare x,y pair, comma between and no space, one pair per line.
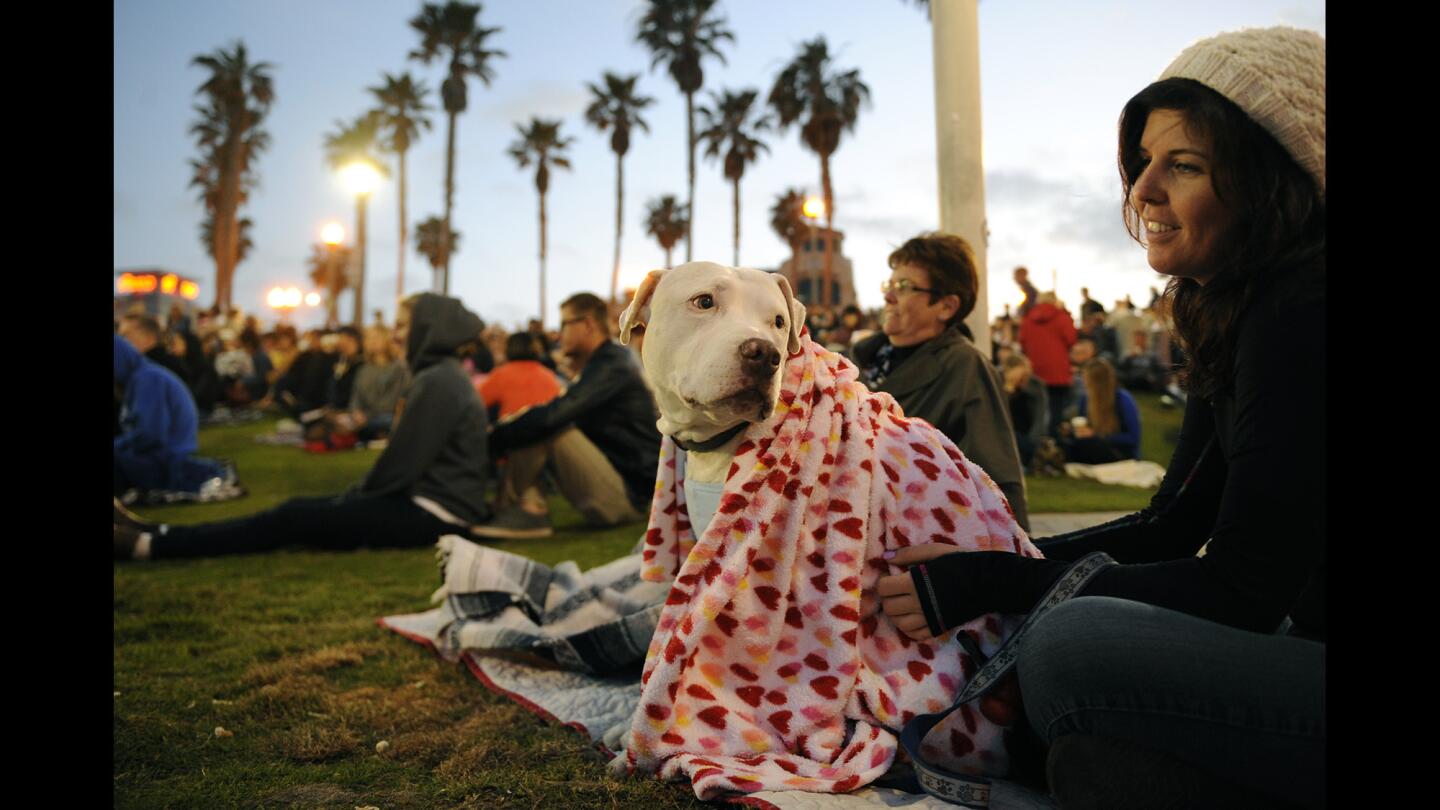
714,349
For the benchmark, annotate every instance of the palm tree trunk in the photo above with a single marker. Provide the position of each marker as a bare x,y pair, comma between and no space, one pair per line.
669,264
360,201
542,260
619,208
332,287
737,221
227,227
400,280
829,226
690,154
449,198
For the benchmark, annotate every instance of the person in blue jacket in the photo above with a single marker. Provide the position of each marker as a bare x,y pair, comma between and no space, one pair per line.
1108,426
158,428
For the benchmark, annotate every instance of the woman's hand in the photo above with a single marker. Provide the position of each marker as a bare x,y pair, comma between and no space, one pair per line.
966,584
897,592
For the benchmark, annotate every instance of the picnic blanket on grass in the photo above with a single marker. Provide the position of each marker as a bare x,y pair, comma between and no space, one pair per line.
596,622
601,706
771,668
1130,473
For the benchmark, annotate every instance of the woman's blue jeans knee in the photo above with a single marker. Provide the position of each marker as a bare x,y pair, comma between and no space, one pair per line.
1247,707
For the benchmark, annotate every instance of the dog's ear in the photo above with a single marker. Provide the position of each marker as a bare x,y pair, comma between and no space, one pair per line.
638,313
797,315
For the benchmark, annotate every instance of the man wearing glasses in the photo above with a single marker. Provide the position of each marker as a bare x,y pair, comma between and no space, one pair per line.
925,359
598,439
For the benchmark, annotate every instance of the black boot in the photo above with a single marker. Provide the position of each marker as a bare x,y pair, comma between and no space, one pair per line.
1096,773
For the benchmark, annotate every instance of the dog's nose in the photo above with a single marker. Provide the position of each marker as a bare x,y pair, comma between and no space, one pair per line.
759,358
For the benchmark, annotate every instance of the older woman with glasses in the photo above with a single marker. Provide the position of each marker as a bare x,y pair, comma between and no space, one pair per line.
925,359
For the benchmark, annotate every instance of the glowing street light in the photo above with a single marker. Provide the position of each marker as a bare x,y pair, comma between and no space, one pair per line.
813,209
332,234
312,299
283,299
360,178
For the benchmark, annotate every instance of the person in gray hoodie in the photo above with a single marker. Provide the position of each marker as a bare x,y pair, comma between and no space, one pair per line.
429,481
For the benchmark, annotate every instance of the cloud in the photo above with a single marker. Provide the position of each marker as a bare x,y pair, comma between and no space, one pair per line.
1302,17
1084,214
896,229
1016,186
545,99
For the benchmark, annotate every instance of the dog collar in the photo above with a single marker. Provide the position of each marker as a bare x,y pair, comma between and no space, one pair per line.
712,442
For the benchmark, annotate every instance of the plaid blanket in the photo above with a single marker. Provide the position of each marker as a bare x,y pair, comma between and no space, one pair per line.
597,621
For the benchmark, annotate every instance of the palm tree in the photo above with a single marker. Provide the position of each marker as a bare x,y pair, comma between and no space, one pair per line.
680,33
328,269
452,31
357,142
237,96
402,115
787,219
242,246
728,126
617,108
542,145
829,100
667,221
430,242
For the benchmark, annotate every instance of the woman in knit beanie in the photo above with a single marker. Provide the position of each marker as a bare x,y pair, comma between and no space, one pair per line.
1177,680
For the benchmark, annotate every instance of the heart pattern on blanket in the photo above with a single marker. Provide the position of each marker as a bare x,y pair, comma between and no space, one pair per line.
771,652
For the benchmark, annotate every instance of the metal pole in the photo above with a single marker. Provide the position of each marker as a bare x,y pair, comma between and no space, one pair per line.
360,200
955,28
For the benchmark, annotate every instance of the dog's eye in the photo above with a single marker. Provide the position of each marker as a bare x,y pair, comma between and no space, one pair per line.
704,301
779,321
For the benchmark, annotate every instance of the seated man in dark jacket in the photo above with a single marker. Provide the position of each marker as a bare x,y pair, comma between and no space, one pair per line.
598,439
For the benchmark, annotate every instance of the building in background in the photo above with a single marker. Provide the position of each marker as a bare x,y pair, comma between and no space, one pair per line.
806,274
154,290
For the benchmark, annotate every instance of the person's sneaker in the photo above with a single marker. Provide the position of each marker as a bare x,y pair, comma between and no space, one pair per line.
124,517
514,524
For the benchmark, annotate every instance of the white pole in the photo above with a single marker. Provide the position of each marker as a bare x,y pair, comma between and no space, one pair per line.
955,27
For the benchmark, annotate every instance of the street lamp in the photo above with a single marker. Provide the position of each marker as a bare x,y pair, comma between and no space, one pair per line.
813,208
283,300
360,178
332,234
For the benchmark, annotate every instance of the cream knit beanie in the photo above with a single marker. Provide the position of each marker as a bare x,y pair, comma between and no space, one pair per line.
1277,76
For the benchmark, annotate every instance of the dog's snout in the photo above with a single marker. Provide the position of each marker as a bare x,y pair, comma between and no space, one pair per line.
759,357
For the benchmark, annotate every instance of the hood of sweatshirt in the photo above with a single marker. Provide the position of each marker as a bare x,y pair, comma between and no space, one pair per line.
127,361
438,326
1044,313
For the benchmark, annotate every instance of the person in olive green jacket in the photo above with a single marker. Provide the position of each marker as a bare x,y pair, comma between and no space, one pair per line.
924,358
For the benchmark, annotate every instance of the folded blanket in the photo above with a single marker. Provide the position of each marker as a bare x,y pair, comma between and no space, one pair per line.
1130,473
771,667
597,622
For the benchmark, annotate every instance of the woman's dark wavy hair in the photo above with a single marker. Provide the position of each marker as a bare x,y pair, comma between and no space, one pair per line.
1278,230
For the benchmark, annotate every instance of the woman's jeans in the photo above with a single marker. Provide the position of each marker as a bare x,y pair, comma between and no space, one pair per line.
331,523
1246,707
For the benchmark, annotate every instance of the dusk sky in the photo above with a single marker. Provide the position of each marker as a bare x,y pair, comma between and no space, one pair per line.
1054,76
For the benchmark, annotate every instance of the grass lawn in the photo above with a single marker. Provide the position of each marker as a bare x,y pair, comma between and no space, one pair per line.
282,652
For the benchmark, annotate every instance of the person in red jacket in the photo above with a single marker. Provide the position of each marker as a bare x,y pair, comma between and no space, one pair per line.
1046,335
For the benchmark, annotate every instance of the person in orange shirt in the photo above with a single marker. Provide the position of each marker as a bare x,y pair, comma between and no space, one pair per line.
520,382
